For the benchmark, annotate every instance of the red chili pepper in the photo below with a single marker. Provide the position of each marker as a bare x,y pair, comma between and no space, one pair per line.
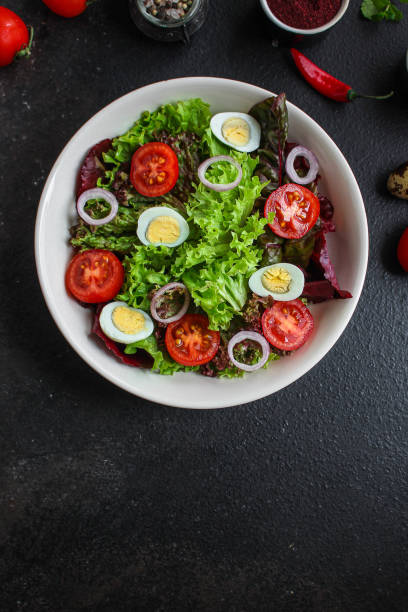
325,83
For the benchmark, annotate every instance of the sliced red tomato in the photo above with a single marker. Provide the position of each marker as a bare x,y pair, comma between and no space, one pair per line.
296,210
402,250
154,169
287,325
190,342
94,276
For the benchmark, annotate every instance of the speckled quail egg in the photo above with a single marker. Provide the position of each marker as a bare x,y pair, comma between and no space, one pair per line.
125,324
237,130
162,226
283,281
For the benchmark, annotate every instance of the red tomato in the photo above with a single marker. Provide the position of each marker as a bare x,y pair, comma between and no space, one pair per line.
287,325
296,210
66,8
94,276
154,170
190,342
402,250
14,36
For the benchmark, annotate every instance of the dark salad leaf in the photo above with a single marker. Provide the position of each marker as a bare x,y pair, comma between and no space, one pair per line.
92,167
272,247
272,115
326,214
220,361
122,187
318,291
322,263
326,208
253,311
299,251
186,145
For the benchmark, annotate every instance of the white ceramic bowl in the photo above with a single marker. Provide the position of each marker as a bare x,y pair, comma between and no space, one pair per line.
348,248
305,32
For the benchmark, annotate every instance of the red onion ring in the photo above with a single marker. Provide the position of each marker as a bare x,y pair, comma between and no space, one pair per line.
300,151
93,194
202,169
163,290
249,335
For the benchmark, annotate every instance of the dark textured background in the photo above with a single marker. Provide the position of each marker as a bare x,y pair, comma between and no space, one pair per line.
110,503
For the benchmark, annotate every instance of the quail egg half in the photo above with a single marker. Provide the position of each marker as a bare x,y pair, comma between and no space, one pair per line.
283,281
162,226
237,130
125,324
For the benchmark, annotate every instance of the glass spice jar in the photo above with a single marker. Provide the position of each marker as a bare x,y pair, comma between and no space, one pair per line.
168,20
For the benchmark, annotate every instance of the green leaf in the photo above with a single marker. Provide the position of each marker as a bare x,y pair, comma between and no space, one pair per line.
187,116
370,9
378,10
394,14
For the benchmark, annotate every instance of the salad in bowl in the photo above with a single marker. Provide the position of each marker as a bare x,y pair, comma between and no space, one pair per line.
55,247
200,240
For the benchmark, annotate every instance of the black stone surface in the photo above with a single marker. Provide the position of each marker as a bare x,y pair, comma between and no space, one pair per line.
297,502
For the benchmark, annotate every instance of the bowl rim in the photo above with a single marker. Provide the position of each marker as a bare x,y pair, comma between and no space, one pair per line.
144,392
310,31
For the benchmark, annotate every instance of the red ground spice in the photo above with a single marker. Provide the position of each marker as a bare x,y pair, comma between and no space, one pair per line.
304,14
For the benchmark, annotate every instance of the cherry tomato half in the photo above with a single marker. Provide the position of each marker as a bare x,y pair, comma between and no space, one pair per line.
296,210
66,8
94,276
190,342
402,250
154,169
287,325
14,36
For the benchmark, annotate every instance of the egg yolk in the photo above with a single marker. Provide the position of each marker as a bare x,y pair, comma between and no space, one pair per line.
163,229
236,131
276,280
128,321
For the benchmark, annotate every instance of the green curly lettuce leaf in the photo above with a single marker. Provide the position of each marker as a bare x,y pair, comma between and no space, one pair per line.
187,116
145,270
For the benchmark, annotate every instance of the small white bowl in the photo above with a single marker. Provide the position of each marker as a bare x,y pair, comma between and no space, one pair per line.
348,248
304,32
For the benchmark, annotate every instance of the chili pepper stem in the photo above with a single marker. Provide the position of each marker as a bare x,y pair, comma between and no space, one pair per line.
89,2
26,51
351,95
